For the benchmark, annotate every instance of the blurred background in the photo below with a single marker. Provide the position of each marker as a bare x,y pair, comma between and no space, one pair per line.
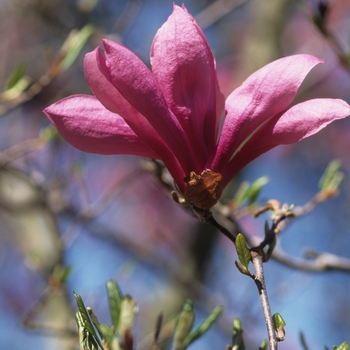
110,217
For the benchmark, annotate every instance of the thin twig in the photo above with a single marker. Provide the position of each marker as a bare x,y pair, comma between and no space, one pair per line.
259,280
322,262
207,217
216,10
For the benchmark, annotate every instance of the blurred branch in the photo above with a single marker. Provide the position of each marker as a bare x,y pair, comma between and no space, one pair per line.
66,56
127,17
319,18
215,11
321,261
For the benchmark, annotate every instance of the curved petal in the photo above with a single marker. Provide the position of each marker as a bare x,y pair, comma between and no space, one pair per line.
183,64
87,125
297,123
112,99
135,82
266,93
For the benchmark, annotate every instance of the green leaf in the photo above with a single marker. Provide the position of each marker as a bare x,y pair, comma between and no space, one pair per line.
86,340
74,44
331,177
263,345
204,326
242,251
183,325
249,193
16,75
86,318
108,336
253,191
343,346
278,321
237,336
115,297
62,273
128,312
279,325
48,133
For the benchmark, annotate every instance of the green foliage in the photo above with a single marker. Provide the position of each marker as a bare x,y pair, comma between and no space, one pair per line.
183,325
237,339
278,321
74,44
123,310
279,325
86,339
48,133
247,193
115,297
15,77
127,314
204,326
263,345
243,254
85,322
16,83
332,177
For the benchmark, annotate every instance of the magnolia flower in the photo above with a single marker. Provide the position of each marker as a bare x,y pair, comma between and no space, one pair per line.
176,112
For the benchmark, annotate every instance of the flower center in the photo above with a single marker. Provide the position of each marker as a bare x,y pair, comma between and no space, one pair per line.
204,190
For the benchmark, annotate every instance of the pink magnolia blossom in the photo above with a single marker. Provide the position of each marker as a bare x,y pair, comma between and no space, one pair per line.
176,112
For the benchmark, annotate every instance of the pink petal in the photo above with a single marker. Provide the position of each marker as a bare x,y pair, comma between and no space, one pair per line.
84,122
266,93
135,82
184,66
297,123
111,98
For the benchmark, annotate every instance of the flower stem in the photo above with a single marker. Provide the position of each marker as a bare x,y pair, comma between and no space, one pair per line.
259,280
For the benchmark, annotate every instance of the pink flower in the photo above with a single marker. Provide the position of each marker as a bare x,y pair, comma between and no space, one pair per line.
177,114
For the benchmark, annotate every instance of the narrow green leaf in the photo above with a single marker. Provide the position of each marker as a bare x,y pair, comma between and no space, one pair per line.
254,190
74,45
183,325
242,189
86,319
109,337
263,345
242,250
16,75
237,335
128,312
204,326
48,133
249,193
115,297
331,177
86,340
